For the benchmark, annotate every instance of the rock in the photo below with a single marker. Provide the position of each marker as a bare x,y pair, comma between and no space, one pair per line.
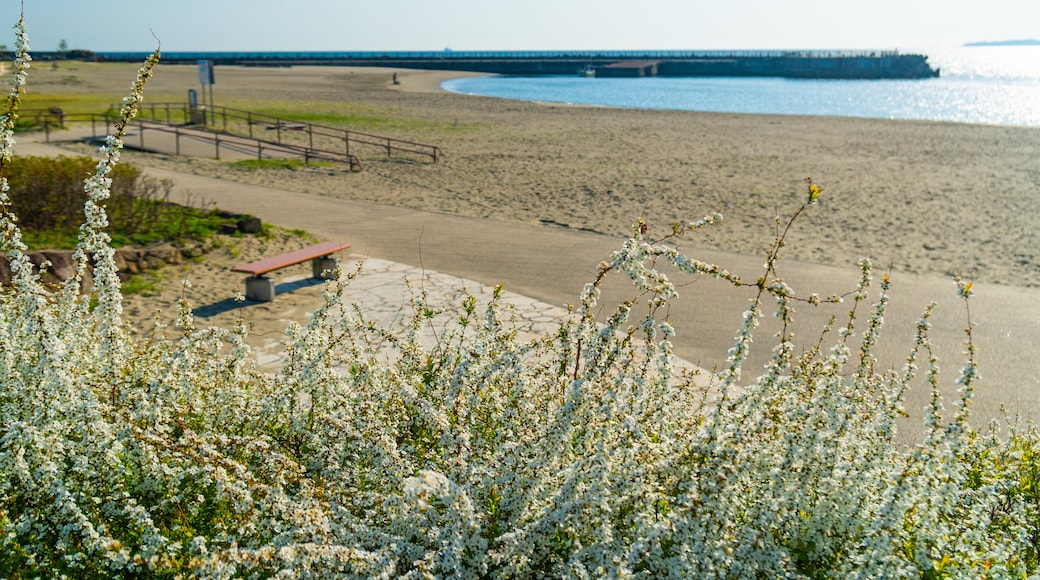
37,258
88,281
127,260
158,252
250,225
63,266
164,254
120,260
151,263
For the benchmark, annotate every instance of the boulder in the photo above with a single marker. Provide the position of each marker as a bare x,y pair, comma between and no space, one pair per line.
164,254
38,259
63,266
250,225
120,260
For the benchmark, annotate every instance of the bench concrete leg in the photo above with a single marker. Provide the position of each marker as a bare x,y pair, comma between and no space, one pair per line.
260,289
323,268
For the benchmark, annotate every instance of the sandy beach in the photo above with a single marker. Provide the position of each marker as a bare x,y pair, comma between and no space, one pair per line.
921,199
918,197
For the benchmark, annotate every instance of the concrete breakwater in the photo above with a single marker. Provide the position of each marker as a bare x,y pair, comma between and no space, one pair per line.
787,64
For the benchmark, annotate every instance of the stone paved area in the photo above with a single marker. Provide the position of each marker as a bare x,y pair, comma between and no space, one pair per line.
384,290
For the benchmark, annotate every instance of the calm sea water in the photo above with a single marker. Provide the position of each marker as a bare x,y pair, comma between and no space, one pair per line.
997,85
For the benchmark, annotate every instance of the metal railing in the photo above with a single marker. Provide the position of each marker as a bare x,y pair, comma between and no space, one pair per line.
286,131
48,121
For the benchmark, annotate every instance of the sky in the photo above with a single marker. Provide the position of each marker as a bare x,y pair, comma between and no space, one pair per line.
475,25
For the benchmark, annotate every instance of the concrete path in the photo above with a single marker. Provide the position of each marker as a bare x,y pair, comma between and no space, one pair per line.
551,264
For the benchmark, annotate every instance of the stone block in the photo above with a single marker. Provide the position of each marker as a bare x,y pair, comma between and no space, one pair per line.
259,289
323,268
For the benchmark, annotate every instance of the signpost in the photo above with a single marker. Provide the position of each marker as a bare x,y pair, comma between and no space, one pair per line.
206,80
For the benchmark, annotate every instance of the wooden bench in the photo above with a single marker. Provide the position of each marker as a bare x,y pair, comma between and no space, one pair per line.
261,288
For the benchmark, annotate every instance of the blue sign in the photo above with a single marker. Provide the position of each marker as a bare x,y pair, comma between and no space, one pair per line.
205,72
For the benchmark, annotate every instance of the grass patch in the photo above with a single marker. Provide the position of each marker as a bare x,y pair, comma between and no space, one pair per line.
300,234
291,164
58,238
146,284
71,102
344,115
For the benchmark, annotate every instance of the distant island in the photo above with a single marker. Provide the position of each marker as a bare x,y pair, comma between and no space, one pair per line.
1028,42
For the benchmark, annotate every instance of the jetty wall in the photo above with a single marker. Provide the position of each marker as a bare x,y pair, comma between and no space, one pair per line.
801,64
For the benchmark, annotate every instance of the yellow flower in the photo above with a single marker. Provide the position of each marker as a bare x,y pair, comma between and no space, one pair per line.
814,192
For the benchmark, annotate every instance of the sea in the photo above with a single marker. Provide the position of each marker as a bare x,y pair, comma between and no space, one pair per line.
990,85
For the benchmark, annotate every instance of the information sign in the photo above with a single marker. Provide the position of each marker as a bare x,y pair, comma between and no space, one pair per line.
205,72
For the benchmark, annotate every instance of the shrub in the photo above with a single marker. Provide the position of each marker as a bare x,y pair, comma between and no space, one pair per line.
47,193
583,453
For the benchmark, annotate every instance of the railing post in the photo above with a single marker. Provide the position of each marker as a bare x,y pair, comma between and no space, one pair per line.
310,135
177,139
388,148
259,150
140,135
249,121
47,131
216,141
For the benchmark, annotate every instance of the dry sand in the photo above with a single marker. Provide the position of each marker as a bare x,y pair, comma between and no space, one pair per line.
925,198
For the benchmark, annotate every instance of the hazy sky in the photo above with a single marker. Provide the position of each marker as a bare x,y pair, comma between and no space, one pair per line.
309,25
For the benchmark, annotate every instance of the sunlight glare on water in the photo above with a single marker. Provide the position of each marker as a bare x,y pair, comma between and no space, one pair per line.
987,85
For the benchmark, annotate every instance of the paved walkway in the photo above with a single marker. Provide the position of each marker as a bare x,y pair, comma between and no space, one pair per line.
550,265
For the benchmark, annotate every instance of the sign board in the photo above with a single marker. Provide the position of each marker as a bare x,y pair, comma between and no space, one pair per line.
193,99
205,72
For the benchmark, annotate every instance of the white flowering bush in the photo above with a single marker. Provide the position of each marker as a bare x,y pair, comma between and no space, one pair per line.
584,453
